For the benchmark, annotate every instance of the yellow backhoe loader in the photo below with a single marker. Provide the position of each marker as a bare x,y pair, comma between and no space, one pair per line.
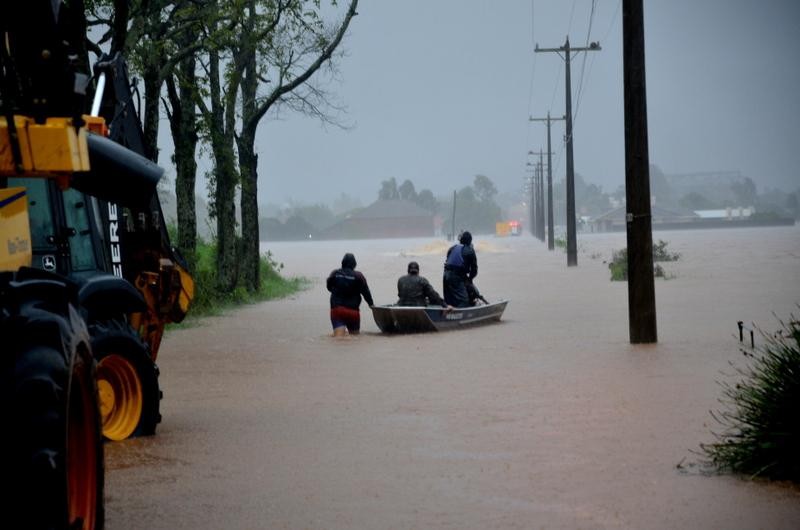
88,279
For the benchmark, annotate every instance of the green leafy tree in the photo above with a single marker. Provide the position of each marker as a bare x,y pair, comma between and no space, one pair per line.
472,213
590,199
282,45
484,188
159,41
407,191
427,201
389,190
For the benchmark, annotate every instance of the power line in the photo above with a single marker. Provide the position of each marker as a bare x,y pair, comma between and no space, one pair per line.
580,92
533,74
530,87
613,21
571,14
555,87
533,41
583,63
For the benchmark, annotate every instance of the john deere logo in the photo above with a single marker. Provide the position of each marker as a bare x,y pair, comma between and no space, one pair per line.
49,263
113,239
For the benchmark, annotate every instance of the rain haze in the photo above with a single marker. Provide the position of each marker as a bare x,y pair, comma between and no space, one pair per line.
552,416
437,92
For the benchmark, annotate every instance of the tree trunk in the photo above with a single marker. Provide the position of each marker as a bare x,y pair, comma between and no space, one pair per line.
248,166
183,122
225,206
152,93
120,25
225,180
251,254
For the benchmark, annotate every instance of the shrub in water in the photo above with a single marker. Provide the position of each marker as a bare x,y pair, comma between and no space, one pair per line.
619,262
660,252
761,418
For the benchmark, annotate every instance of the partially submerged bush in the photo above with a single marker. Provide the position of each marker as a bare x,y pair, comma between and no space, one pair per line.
761,418
619,266
660,252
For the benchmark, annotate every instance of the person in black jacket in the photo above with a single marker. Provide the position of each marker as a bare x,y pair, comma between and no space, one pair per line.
347,287
460,268
416,290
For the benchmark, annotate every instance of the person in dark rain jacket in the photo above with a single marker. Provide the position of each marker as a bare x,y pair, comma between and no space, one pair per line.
347,286
416,290
460,268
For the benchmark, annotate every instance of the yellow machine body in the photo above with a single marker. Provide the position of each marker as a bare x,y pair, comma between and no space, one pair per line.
15,230
52,147
168,295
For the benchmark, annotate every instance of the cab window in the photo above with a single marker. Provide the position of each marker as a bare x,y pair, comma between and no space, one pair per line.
81,247
39,212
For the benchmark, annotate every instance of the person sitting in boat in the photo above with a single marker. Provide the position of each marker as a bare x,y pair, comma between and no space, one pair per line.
347,287
416,290
460,267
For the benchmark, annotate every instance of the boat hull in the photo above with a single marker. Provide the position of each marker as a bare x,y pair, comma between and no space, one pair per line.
400,319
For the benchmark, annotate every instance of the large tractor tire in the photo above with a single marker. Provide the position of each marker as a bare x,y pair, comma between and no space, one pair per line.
53,449
127,381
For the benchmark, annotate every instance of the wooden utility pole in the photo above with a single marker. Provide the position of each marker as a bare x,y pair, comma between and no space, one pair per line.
540,196
533,215
641,285
572,245
550,229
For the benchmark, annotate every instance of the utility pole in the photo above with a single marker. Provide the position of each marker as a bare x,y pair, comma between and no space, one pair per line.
540,193
540,196
532,214
572,246
550,229
641,288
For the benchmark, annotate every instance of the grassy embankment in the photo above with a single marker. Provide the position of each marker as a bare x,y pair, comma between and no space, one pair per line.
208,300
760,420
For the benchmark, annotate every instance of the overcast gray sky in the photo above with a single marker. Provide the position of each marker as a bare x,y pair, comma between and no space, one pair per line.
438,91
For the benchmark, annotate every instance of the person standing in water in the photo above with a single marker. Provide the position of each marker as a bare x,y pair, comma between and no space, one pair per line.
347,286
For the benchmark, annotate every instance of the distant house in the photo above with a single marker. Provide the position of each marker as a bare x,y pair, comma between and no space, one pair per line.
726,213
384,219
663,219
614,220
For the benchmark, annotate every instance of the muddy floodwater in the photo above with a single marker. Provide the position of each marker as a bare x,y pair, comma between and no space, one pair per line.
547,419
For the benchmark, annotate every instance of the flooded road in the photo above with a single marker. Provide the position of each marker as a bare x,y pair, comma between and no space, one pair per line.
548,419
